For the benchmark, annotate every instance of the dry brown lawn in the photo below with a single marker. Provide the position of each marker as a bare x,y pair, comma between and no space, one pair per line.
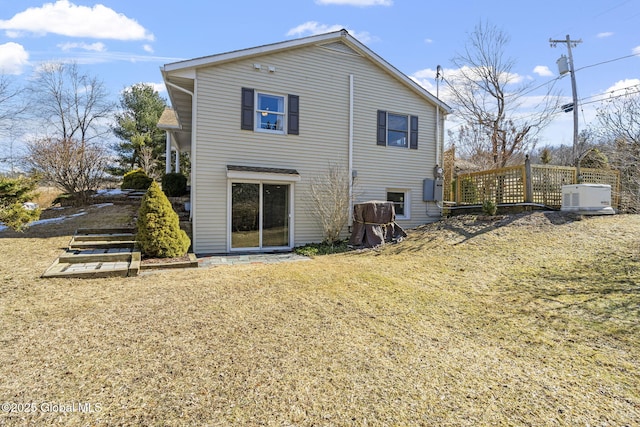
532,320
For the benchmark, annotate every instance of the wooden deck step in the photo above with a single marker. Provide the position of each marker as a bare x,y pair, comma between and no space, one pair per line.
96,265
103,237
98,244
106,230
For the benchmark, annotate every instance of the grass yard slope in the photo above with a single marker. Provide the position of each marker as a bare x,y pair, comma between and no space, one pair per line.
528,320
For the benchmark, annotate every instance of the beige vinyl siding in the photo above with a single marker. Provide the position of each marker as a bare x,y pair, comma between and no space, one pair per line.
380,168
320,77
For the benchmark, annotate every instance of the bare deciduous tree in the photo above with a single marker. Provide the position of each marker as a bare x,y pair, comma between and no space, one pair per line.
148,162
72,108
330,196
71,104
619,121
75,167
12,108
489,95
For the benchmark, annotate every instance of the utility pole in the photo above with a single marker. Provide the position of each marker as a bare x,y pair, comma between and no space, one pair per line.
574,92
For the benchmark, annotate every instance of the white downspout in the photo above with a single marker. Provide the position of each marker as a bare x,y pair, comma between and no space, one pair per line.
438,135
350,167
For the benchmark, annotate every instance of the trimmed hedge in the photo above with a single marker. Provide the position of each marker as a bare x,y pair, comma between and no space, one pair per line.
136,180
174,184
159,234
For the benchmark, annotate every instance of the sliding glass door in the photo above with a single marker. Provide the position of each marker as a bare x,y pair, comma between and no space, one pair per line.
260,215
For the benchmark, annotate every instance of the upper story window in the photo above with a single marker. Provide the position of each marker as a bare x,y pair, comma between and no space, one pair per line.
265,112
270,112
397,130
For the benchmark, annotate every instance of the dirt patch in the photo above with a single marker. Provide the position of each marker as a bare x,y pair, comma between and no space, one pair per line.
459,228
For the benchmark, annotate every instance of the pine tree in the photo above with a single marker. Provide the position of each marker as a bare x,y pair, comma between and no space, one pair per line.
159,234
13,193
136,126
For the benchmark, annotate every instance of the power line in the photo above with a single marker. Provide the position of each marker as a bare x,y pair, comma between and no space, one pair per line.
612,97
608,61
611,92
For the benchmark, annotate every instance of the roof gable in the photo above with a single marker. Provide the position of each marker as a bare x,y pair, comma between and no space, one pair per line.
339,41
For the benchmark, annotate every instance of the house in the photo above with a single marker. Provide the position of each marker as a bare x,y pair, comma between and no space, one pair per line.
260,123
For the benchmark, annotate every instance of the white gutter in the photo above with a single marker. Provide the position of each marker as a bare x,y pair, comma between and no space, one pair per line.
350,167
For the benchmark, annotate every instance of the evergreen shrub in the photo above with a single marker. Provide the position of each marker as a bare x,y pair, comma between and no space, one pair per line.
489,207
136,180
174,184
159,234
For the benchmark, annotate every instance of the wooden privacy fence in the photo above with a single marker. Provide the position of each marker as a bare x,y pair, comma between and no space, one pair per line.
539,184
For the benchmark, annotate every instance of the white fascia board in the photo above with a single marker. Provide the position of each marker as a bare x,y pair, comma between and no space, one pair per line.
245,53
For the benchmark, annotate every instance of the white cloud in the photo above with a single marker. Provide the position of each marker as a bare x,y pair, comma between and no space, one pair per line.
13,58
636,50
93,47
158,87
148,48
67,19
360,3
428,41
604,34
621,86
427,79
311,28
543,71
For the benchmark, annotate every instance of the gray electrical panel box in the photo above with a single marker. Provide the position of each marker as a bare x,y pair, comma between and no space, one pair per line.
432,190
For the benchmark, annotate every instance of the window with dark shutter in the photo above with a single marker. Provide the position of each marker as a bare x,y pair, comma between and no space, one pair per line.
413,134
247,109
382,128
293,115
397,130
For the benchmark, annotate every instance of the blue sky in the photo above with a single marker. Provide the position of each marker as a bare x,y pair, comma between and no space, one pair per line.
126,42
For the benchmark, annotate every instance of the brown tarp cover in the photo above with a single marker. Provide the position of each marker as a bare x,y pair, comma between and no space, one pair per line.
374,225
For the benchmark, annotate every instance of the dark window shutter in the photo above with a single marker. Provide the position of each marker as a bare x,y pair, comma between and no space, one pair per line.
293,115
247,109
413,133
382,128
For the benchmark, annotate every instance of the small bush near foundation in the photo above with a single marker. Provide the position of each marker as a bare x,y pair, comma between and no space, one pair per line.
136,180
159,234
489,207
313,249
174,184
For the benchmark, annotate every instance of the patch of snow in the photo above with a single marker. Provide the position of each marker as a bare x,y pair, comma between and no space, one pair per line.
102,205
109,192
56,220
48,221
